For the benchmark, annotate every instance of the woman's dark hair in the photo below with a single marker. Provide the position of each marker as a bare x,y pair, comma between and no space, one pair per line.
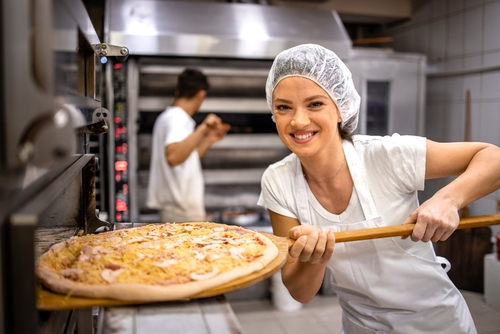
344,134
190,82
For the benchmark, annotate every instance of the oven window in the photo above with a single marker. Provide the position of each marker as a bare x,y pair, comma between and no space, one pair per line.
377,110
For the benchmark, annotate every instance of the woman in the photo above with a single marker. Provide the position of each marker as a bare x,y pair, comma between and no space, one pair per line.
335,181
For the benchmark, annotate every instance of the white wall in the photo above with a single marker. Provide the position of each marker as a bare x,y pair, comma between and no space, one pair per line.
461,39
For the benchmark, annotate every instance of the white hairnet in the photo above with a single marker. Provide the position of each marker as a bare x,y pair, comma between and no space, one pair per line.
326,69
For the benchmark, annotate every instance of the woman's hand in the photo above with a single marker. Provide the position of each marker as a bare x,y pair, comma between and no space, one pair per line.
435,220
312,244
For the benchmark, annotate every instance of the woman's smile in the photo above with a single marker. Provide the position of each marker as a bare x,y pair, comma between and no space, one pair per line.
303,137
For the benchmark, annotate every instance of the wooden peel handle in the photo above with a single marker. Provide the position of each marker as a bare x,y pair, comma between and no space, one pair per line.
405,230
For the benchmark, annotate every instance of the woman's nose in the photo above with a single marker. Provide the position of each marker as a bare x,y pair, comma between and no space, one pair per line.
300,118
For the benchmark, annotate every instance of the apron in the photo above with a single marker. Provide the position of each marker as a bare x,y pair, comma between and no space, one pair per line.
382,288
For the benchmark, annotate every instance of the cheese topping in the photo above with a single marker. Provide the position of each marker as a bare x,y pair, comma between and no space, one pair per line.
154,254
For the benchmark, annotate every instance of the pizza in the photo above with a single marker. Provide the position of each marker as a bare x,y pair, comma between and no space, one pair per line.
155,262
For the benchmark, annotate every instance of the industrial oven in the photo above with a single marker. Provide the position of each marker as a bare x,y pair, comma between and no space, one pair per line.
51,121
234,45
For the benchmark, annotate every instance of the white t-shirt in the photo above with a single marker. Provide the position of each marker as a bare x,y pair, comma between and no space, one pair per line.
180,189
394,166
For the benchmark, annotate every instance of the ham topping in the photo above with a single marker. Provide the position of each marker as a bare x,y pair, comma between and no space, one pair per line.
165,263
203,276
110,275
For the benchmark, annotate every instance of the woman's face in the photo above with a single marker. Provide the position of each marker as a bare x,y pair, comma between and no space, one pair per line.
306,117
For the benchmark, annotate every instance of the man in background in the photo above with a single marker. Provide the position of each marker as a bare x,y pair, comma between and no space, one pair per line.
176,186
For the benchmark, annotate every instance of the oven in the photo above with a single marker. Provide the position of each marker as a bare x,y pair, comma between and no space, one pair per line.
233,167
51,121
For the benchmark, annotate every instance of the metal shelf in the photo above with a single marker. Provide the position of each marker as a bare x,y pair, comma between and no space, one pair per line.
217,105
233,176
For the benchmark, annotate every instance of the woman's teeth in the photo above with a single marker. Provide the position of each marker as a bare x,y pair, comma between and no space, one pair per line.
301,137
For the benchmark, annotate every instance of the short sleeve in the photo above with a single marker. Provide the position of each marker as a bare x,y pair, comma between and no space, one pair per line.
401,159
276,189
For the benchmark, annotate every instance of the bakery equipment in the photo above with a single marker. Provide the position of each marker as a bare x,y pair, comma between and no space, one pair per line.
50,96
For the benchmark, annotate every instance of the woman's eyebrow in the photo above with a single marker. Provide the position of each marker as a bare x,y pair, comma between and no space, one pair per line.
315,97
282,100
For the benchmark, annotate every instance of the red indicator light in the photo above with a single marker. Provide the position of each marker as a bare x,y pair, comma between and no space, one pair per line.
118,120
121,205
117,66
121,165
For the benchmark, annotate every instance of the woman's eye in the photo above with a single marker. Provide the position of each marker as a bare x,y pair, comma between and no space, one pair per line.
282,107
316,104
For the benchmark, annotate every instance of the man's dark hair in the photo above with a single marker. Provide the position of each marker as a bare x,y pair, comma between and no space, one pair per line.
190,82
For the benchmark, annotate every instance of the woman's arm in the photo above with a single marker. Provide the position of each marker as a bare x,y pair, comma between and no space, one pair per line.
305,266
478,168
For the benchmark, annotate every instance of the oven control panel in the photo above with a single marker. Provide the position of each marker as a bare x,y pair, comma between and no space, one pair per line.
121,155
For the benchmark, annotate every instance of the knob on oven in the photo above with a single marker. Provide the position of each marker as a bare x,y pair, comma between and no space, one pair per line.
50,138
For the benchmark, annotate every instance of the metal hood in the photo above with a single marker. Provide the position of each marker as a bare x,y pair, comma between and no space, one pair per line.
234,30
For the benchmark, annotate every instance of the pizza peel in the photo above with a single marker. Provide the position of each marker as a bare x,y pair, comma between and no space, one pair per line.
406,229
50,301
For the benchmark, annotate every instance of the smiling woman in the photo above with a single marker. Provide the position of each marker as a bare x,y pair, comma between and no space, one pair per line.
336,181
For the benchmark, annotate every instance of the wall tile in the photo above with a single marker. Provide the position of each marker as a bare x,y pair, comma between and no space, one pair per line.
438,40
473,62
491,59
475,120
422,11
473,30
455,39
454,65
404,41
473,84
470,3
454,124
490,122
437,89
438,8
455,5
490,85
491,26
422,39
455,89
434,120
483,206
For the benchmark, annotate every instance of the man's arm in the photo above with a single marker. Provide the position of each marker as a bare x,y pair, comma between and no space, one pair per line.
177,153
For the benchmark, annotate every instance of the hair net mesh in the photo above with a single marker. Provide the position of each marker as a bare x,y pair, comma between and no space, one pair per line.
326,69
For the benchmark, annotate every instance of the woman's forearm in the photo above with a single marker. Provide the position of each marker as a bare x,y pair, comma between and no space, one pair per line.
481,178
303,280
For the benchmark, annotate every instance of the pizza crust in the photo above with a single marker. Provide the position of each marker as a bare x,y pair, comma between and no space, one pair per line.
146,292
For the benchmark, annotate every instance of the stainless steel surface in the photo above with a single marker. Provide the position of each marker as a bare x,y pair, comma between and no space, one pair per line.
51,82
220,29
204,316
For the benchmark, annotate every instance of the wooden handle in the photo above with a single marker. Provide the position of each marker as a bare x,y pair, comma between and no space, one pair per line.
407,229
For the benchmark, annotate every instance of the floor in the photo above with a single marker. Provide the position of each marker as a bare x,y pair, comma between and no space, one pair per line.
322,315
